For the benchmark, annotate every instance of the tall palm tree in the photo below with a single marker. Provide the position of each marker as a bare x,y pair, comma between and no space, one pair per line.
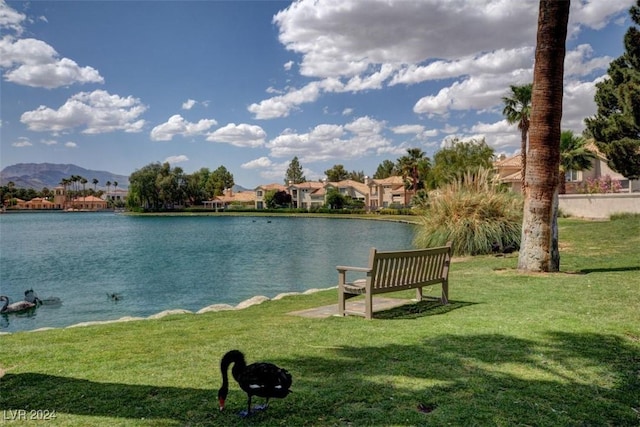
574,155
95,185
410,166
517,109
539,243
84,181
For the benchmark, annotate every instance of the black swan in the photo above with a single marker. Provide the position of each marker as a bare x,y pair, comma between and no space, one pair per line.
258,379
16,307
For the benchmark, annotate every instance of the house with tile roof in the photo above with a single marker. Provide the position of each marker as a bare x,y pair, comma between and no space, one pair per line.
373,193
509,170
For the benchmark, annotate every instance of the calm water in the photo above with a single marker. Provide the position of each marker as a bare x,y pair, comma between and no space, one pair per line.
160,263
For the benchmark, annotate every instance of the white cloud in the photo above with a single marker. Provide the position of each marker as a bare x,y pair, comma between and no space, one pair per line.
281,106
177,125
97,112
70,144
241,135
347,111
49,142
408,129
10,19
34,63
259,163
363,136
21,143
596,14
188,104
176,159
579,62
288,65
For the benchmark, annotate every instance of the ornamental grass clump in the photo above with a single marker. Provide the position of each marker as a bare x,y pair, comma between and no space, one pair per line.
475,213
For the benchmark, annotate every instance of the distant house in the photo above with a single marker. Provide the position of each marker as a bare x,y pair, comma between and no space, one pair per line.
509,170
373,193
262,190
38,203
307,195
245,199
116,196
88,203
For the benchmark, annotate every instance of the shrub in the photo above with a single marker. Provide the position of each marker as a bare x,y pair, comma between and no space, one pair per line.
474,213
604,184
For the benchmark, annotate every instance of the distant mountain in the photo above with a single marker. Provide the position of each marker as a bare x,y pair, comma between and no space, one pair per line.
40,175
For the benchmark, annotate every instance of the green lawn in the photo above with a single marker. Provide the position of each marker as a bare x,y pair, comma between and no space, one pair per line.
511,349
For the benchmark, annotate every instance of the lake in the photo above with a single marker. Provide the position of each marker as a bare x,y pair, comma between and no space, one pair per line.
156,263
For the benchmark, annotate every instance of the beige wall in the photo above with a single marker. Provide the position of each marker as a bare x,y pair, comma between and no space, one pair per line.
599,205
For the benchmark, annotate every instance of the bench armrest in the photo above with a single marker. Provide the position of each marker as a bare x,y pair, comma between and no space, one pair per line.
360,269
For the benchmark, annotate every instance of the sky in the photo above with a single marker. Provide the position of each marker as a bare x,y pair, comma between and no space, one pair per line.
249,85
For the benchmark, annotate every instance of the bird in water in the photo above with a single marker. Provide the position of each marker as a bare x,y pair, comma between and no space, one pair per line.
258,379
16,307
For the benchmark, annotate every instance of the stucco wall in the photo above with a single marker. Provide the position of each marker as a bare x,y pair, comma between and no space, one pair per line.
599,205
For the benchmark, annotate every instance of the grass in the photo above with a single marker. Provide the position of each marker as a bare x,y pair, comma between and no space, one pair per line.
512,349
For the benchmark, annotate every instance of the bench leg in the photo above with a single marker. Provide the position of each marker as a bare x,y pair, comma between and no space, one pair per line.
341,302
368,306
419,294
445,292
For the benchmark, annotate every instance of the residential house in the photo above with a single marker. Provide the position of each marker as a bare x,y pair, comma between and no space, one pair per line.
509,170
387,192
87,203
37,203
262,190
245,199
307,195
117,196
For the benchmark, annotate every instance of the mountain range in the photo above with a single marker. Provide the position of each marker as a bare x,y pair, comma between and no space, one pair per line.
49,175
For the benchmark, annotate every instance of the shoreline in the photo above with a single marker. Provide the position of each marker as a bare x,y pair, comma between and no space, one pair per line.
255,300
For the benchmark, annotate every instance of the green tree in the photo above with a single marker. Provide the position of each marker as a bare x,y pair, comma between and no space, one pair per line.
539,243
457,158
195,186
616,125
143,192
335,200
414,167
517,109
294,173
95,184
336,173
357,176
385,169
574,155
219,180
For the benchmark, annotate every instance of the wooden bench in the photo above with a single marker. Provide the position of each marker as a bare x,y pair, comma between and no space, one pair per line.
395,271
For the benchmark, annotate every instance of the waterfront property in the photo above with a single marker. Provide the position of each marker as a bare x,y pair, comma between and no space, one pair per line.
509,170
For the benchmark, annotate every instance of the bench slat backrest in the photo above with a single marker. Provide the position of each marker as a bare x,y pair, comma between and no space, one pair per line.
397,269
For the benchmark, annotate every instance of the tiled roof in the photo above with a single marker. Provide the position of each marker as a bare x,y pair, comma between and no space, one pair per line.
241,196
274,186
513,161
87,199
392,180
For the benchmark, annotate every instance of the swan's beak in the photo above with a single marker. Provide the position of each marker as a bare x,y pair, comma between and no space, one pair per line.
221,402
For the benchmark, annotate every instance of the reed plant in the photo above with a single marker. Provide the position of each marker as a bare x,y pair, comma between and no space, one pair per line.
474,212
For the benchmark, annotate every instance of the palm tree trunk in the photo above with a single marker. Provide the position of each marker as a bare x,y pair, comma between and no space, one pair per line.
539,245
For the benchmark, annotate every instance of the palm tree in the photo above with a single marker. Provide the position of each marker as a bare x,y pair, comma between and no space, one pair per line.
517,109
95,184
539,242
410,166
83,181
574,155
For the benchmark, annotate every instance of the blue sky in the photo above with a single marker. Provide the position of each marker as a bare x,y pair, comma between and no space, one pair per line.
248,85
